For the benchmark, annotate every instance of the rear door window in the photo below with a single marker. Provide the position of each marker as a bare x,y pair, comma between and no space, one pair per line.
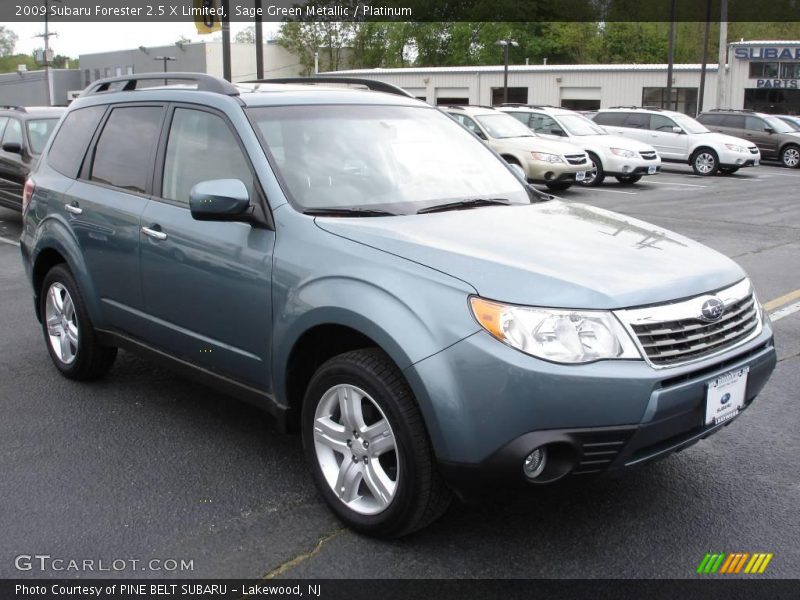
610,118
72,139
638,121
734,121
123,155
712,120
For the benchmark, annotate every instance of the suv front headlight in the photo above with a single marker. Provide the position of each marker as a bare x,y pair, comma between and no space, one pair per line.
543,156
563,336
623,153
735,148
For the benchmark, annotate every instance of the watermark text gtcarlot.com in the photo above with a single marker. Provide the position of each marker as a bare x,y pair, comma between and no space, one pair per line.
42,563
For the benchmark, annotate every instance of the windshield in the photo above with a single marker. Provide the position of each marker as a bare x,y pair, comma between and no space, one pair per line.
501,126
689,125
778,125
39,131
580,125
398,159
792,122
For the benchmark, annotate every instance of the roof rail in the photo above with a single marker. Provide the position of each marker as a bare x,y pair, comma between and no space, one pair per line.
524,105
205,83
13,107
738,110
657,108
370,84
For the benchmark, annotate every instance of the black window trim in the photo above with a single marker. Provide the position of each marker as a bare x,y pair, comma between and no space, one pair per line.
263,210
88,145
88,159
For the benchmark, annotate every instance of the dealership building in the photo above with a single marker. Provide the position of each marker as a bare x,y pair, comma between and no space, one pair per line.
761,75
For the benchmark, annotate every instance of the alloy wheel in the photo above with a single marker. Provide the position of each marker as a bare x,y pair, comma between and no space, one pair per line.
62,323
791,157
356,449
705,162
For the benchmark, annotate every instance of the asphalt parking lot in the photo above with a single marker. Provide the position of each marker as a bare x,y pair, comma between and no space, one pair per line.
147,465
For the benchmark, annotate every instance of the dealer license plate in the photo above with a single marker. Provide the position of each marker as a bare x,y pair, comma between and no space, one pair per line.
756,162
651,170
725,396
580,175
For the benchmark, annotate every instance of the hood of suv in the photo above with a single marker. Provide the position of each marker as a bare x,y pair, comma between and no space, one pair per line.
539,144
721,138
550,254
612,141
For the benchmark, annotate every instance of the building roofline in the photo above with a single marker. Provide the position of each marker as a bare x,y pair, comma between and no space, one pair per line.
522,69
766,43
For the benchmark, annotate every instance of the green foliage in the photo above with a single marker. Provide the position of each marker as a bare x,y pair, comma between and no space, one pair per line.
8,40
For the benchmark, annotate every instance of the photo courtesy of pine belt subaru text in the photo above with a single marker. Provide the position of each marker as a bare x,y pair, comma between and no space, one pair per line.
365,269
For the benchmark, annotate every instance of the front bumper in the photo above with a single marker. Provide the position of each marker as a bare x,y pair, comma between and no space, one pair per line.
543,172
738,159
487,406
617,165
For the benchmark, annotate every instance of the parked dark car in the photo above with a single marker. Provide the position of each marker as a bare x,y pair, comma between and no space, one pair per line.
23,135
775,139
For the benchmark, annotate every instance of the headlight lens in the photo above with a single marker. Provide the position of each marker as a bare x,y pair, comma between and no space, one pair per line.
564,336
543,156
623,153
735,148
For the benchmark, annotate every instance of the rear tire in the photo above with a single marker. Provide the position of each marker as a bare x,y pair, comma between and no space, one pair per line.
596,175
366,444
559,186
705,162
628,179
68,331
790,156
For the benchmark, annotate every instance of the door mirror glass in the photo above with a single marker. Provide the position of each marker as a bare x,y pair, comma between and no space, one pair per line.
12,147
677,129
220,200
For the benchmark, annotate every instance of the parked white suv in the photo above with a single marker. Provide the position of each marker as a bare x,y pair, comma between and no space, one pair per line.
624,158
680,138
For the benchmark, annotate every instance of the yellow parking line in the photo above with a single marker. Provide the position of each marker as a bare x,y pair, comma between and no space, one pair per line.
786,298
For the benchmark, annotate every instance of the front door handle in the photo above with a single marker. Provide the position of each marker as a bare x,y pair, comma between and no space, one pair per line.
154,231
73,208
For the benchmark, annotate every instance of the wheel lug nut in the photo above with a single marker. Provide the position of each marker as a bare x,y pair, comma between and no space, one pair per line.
366,444
355,458
349,443
355,434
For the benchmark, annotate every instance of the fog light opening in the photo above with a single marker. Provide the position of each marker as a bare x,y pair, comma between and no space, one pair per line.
535,462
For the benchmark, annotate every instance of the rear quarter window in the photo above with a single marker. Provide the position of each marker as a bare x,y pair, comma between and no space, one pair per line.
72,139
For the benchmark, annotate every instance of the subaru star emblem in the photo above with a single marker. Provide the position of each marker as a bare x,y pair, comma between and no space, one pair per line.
725,399
712,309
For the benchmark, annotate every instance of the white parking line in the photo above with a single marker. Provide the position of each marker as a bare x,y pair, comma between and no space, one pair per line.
10,242
597,189
784,312
671,183
785,175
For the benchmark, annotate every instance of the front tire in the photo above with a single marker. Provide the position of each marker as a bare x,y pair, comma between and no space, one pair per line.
367,446
68,331
790,157
596,175
705,162
628,179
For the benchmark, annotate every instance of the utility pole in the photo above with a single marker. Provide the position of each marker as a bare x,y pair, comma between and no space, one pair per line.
226,40
48,74
506,44
722,73
259,42
701,91
165,60
671,51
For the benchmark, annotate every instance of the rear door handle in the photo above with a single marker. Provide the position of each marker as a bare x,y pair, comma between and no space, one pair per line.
73,208
154,231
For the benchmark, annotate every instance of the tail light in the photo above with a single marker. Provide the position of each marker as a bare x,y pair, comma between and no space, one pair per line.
27,194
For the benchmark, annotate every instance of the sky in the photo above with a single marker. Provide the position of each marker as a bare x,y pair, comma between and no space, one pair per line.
86,38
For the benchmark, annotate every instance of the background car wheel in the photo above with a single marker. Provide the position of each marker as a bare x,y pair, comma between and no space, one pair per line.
367,446
705,162
596,175
728,170
790,157
68,331
628,179
559,185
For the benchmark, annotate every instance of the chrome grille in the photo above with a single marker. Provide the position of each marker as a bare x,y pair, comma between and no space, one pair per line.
576,159
673,334
649,155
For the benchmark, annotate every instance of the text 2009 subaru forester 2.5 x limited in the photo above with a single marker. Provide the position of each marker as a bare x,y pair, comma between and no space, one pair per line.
369,272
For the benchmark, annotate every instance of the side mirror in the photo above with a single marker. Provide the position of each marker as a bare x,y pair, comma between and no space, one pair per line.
12,147
677,129
769,130
481,135
220,200
558,132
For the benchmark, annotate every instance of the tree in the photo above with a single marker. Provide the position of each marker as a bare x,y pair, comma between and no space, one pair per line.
8,41
246,35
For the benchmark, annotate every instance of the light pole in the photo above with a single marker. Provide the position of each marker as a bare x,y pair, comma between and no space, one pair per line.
506,44
165,60
48,74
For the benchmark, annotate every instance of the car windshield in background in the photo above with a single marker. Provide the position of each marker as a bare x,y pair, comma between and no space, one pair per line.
397,159
39,131
689,125
502,126
580,125
792,122
778,125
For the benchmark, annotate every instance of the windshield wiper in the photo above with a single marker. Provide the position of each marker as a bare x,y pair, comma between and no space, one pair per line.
348,212
462,204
